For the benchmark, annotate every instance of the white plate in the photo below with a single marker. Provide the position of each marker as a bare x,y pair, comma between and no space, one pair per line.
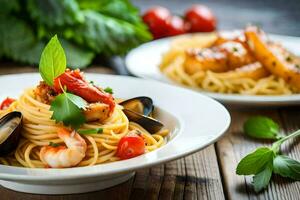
195,121
144,61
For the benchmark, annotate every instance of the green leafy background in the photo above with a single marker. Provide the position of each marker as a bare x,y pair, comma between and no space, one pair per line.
86,28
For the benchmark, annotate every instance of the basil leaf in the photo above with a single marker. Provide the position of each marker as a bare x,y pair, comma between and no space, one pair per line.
67,109
262,179
90,131
287,167
261,127
108,90
255,162
53,61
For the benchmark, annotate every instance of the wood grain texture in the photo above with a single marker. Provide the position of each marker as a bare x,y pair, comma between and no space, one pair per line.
235,145
193,177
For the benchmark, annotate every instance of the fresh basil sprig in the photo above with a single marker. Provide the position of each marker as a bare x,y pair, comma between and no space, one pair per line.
267,160
53,61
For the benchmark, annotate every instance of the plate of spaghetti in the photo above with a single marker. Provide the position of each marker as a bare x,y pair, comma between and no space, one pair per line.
235,67
63,131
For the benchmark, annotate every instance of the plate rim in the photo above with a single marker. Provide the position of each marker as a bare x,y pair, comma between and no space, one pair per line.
52,177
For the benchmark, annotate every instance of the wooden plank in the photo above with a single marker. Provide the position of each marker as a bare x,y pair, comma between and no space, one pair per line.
235,145
193,177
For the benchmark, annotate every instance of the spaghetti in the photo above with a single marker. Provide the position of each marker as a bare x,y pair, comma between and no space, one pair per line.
39,130
175,66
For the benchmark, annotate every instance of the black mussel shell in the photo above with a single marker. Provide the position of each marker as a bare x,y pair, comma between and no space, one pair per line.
142,105
150,124
12,141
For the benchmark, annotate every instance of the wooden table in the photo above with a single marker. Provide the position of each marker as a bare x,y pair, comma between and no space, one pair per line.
207,174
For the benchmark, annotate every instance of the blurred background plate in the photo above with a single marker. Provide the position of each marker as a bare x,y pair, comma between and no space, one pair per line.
144,61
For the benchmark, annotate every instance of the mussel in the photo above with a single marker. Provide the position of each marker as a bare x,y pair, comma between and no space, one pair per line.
138,110
10,132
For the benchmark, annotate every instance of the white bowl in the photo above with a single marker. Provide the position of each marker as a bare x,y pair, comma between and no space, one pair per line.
144,61
195,121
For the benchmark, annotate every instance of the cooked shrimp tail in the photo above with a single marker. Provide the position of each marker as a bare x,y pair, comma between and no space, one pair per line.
64,156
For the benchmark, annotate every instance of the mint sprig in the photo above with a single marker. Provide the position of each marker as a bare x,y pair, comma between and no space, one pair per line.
265,161
262,128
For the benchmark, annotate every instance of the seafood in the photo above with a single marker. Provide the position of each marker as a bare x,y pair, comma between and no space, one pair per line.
64,156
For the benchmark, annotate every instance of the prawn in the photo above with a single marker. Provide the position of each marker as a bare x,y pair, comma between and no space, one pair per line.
64,156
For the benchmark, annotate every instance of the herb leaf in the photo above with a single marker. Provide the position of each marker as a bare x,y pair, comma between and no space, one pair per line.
90,131
108,90
287,167
261,127
53,61
52,144
262,179
255,162
67,109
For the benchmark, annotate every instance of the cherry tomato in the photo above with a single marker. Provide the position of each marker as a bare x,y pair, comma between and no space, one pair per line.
76,84
6,103
130,146
175,26
200,18
156,18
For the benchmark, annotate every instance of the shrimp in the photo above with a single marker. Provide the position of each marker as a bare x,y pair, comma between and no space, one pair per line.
97,112
227,56
274,57
64,156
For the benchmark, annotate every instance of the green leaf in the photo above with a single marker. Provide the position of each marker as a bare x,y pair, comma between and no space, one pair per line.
261,127
90,131
119,9
255,161
104,34
8,6
67,109
53,61
108,90
53,13
287,167
262,179
77,100
18,41
52,144
77,57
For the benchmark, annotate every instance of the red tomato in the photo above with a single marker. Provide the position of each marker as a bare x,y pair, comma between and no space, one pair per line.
6,103
130,146
176,26
76,84
200,18
156,18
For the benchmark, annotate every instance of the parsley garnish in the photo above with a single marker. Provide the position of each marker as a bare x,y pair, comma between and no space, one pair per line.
108,90
267,160
90,131
67,108
52,144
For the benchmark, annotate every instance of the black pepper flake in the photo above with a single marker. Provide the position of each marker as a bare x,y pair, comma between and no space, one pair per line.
288,59
274,63
297,66
235,49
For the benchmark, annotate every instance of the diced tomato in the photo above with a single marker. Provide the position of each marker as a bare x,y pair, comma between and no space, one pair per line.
76,84
130,146
6,103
